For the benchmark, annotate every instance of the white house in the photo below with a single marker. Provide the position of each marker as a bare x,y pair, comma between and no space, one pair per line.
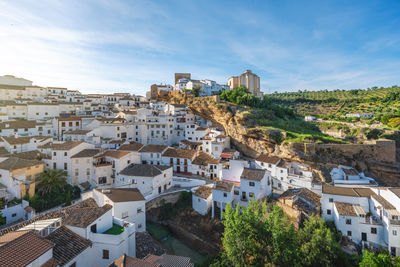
254,184
152,154
127,204
369,216
179,159
205,165
348,176
202,199
222,194
151,180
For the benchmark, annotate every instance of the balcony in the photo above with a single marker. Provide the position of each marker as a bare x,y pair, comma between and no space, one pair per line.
102,164
372,220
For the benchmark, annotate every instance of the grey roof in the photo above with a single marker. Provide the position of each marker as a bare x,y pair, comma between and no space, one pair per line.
86,153
252,174
144,170
83,217
169,260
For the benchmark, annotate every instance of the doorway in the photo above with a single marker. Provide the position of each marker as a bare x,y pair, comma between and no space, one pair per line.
364,236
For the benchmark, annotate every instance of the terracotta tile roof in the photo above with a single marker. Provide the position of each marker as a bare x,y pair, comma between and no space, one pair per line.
350,171
23,250
126,261
86,153
179,153
17,141
78,132
385,204
345,209
122,194
69,118
13,163
223,186
4,239
303,193
17,124
252,174
67,145
133,146
67,245
169,260
153,148
61,213
144,170
115,154
204,159
187,142
50,263
203,191
201,129
29,155
347,191
83,217
268,159
396,191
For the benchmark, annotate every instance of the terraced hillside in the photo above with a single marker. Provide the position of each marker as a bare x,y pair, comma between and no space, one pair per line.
379,101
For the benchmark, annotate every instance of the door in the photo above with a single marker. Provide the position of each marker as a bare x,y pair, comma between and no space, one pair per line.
202,174
165,187
244,195
93,228
159,189
178,169
364,236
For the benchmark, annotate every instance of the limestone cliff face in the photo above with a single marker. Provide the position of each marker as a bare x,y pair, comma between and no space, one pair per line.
379,160
250,141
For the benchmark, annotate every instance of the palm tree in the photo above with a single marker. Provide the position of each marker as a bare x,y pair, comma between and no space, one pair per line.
51,179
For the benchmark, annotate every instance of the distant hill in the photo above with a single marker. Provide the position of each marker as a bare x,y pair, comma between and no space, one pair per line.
379,101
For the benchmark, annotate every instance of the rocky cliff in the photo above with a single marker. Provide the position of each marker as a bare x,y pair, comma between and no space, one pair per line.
377,160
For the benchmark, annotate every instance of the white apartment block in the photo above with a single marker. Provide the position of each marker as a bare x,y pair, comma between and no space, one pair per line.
368,216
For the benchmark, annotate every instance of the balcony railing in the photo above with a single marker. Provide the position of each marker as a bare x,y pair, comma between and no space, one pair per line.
102,164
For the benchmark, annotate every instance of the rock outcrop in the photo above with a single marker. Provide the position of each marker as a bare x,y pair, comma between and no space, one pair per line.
377,159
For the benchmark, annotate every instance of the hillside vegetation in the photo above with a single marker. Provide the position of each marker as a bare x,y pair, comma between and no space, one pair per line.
384,103
265,114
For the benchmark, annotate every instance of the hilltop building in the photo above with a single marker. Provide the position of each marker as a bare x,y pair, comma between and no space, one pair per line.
248,79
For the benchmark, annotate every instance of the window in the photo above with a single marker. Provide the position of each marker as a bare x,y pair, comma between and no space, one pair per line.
348,233
54,153
139,225
63,124
394,232
251,183
236,192
65,153
76,172
373,230
328,212
70,124
106,254
77,123
139,210
65,166
124,214
251,194
330,199
225,194
14,215
348,221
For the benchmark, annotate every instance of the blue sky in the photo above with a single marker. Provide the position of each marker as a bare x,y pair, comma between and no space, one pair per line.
110,46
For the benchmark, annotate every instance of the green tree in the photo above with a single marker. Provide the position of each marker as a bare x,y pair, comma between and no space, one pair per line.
253,236
382,259
317,244
51,180
2,219
196,90
68,198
